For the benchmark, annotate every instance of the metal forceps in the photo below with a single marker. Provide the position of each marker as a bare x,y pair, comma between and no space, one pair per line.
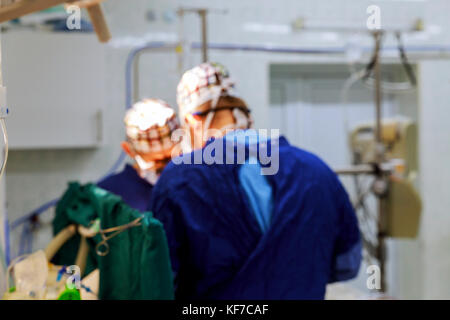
102,248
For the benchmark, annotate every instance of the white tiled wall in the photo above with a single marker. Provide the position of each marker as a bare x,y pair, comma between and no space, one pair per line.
36,176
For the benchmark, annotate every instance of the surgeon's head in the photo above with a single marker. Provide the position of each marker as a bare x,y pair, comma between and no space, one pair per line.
149,126
209,104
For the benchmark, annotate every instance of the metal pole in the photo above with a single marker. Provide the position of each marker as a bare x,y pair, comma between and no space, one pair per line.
378,93
181,43
381,250
202,13
363,169
136,84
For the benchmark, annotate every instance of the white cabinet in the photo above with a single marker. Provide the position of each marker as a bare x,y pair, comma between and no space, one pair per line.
56,89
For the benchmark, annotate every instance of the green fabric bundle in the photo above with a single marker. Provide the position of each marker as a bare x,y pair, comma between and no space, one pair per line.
137,265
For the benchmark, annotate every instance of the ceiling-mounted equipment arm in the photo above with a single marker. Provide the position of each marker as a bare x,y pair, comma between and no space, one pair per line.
97,17
19,8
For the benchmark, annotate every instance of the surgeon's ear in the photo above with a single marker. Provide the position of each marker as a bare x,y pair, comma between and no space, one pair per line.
195,123
196,131
127,149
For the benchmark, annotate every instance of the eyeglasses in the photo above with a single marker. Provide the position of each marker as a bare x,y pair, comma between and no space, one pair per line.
204,113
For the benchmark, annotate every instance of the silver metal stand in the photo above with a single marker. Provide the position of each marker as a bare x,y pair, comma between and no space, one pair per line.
203,14
381,179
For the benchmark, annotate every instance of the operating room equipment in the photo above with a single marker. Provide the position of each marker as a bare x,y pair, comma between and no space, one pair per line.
399,137
403,204
398,212
380,185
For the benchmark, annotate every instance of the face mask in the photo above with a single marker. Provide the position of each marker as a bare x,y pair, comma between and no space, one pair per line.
150,176
147,170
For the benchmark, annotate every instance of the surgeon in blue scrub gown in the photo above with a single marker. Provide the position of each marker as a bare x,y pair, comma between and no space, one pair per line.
247,215
149,124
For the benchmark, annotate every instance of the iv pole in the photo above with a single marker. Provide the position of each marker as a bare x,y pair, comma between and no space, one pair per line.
380,185
379,169
203,14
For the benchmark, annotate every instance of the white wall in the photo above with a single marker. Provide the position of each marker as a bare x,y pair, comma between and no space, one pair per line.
434,115
36,176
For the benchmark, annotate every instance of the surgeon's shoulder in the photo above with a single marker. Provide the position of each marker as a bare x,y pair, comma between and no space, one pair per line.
179,171
308,163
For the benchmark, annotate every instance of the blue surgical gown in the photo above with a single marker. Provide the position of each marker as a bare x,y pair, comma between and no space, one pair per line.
127,184
224,244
